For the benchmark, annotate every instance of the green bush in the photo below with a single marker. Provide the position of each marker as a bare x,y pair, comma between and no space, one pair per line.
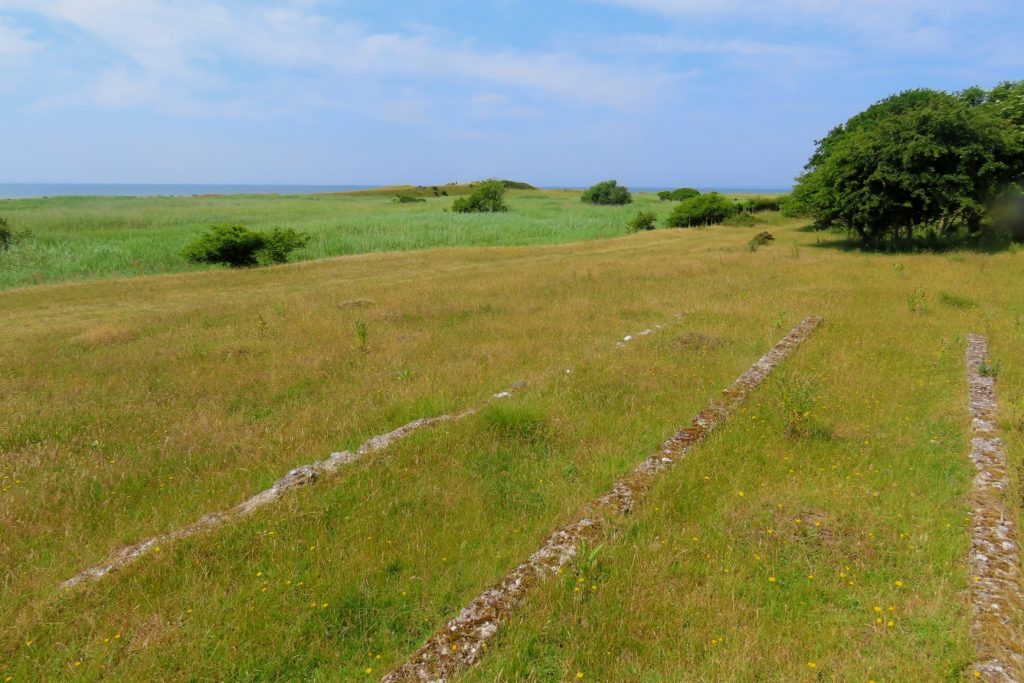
280,243
487,197
683,193
678,195
706,209
644,220
6,235
238,246
410,199
607,193
760,240
755,204
743,220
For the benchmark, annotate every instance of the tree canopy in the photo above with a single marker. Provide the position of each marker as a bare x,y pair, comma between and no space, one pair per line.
919,161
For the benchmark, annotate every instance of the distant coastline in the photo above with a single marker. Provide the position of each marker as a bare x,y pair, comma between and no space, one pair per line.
39,190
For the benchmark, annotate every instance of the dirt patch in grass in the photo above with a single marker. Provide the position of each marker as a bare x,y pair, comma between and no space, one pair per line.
102,335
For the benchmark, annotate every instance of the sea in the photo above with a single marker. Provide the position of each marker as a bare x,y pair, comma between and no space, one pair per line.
35,190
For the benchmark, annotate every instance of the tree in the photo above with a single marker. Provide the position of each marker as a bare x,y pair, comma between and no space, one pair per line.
488,196
607,193
706,209
915,162
1006,100
238,246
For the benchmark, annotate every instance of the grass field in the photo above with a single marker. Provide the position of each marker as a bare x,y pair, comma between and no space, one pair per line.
837,498
78,238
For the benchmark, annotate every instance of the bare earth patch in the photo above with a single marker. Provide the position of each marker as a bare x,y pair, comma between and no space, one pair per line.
996,592
463,641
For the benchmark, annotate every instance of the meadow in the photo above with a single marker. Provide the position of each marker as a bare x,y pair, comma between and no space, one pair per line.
78,238
819,534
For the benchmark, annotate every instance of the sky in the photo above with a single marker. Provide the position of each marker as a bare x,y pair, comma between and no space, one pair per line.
654,93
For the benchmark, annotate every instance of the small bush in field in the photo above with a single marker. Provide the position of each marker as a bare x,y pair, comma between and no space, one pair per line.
487,197
412,199
280,243
706,209
238,246
607,193
683,193
760,239
644,220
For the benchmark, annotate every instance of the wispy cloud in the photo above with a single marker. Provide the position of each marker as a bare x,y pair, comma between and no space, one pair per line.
170,45
912,25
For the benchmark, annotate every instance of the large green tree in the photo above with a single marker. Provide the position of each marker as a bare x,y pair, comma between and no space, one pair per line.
918,161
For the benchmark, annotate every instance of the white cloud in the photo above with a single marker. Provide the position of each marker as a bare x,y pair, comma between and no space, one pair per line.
185,43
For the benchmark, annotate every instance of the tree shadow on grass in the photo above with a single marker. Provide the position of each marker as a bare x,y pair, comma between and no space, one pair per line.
981,243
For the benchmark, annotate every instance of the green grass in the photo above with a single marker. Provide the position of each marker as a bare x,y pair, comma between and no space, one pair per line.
135,406
78,238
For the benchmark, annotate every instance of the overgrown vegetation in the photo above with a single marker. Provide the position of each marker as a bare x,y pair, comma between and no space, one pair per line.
10,237
919,163
409,199
487,197
77,238
707,209
607,193
238,246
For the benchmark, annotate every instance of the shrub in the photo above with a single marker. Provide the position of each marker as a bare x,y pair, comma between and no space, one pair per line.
280,243
754,204
6,235
487,197
678,195
607,193
683,193
706,209
238,246
743,220
644,220
411,199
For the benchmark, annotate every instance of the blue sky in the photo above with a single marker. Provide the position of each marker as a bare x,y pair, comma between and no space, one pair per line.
560,92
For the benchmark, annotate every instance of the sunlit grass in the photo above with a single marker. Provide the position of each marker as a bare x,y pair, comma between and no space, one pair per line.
77,238
135,406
